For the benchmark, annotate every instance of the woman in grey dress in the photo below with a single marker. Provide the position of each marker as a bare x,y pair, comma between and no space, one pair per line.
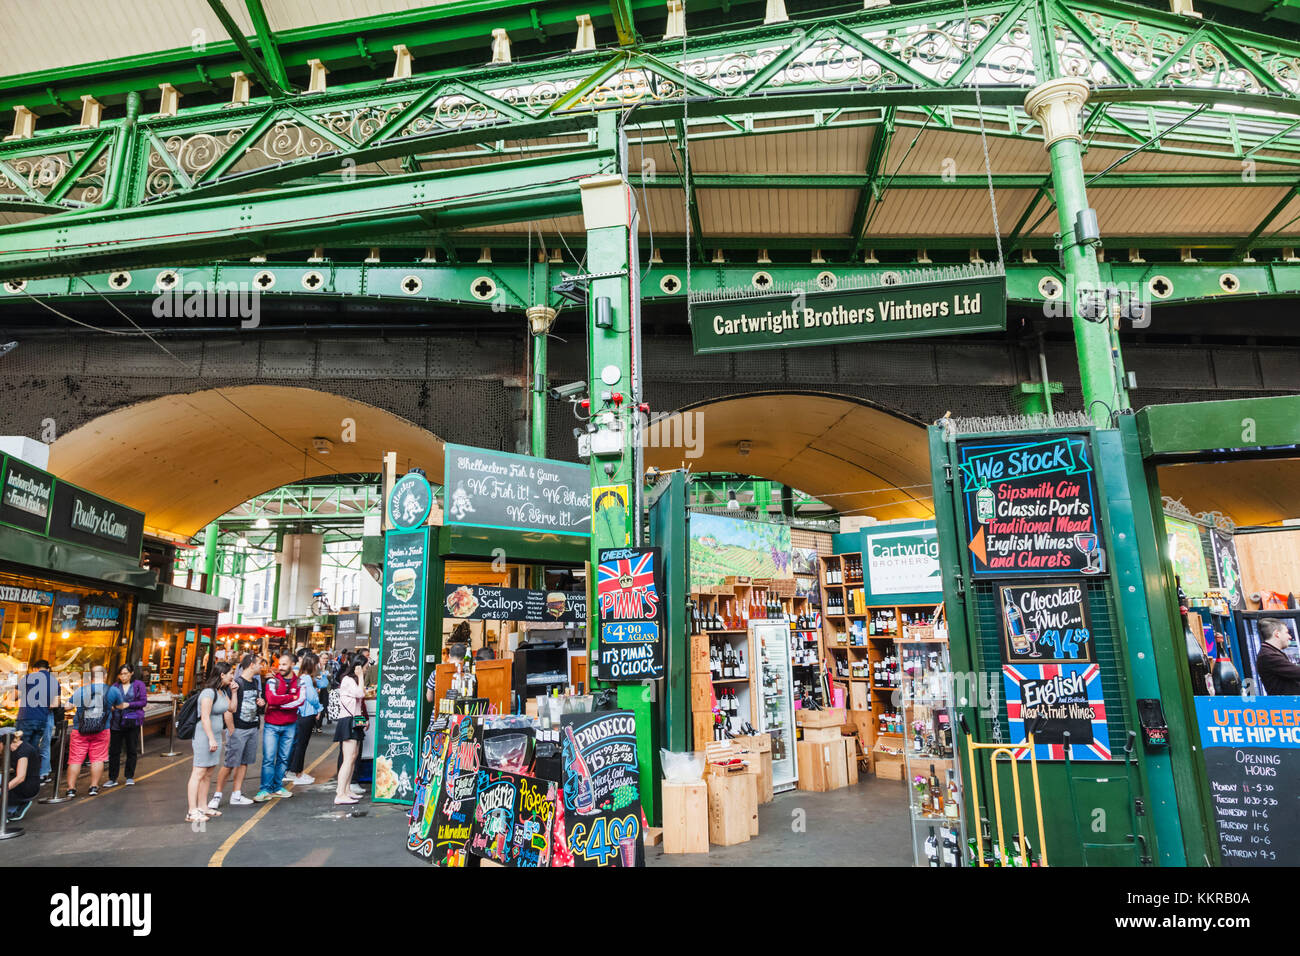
214,715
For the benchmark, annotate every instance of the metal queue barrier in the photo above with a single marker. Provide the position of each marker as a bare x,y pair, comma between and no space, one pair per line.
62,762
7,832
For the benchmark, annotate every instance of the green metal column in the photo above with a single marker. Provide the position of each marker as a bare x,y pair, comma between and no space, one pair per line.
611,249
1056,106
275,586
210,558
239,565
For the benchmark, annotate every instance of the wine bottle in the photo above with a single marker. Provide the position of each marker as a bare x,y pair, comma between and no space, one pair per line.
1196,660
741,670
950,806
1227,683
931,849
936,792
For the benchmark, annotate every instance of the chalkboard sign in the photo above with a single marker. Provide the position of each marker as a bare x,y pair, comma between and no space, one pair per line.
492,489
1252,757
474,602
428,789
1031,507
25,494
629,596
513,818
1047,700
453,817
1043,623
602,795
401,648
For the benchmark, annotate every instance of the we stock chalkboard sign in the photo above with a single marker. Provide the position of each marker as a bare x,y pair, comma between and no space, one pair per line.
493,489
1252,758
602,790
1031,506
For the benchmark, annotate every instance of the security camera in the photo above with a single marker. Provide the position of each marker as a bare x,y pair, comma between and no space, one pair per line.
570,391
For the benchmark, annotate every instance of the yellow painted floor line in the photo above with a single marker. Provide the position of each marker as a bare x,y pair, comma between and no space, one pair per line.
219,857
79,800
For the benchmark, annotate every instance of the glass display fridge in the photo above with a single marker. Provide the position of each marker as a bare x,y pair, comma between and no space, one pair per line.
772,643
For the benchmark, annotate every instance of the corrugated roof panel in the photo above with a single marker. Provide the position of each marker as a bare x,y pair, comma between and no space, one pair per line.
927,157
777,212
946,212
812,151
1179,212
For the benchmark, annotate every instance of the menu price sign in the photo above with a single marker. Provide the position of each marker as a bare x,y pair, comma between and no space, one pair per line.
472,602
602,794
1042,623
1031,507
1252,757
428,789
453,817
513,817
629,596
491,489
1047,700
401,648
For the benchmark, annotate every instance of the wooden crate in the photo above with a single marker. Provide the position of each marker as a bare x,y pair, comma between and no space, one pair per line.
699,654
851,759
701,728
701,693
757,750
822,766
888,766
834,717
729,805
821,735
686,817
858,695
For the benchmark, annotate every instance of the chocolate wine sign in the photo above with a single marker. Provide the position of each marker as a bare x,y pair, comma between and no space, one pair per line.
1031,506
1044,623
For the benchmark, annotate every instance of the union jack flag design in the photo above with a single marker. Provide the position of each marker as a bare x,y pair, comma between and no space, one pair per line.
1015,675
626,589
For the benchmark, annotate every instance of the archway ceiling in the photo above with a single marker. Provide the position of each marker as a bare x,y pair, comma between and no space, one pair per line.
1264,492
186,459
851,455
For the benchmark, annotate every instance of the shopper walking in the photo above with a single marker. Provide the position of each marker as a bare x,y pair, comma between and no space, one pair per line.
246,706
38,699
307,713
126,702
90,733
350,729
283,698
214,714
24,782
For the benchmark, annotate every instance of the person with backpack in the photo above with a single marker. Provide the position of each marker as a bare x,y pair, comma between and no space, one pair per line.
246,706
90,733
213,714
126,702
283,698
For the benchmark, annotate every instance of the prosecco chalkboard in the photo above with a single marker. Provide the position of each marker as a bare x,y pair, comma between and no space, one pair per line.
1252,758
1031,506
492,489
602,795
1044,623
472,602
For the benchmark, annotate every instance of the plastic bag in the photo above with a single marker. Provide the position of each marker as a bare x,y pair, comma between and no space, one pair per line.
685,767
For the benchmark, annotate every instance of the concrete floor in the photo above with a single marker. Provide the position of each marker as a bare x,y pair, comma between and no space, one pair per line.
144,825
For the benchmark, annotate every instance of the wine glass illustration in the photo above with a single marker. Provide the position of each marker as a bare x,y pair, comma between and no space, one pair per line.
1086,542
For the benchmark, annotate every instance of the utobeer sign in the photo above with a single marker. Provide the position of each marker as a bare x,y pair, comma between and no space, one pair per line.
805,318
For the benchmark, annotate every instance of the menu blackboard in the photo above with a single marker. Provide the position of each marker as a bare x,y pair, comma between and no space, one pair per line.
492,489
474,602
1252,757
513,817
1042,623
629,595
602,795
428,789
401,648
1031,506
25,494
453,816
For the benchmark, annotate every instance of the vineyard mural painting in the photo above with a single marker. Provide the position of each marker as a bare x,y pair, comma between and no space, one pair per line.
722,546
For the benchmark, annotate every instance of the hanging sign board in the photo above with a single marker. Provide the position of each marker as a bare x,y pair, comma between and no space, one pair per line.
1048,699
401,648
1045,623
903,562
476,602
1031,506
25,494
602,795
1227,568
493,489
830,317
629,595
1252,757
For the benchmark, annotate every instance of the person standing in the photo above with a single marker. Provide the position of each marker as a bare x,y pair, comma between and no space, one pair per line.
283,698
24,781
37,701
90,733
214,714
350,729
246,725
126,702
1276,669
311,706
323,692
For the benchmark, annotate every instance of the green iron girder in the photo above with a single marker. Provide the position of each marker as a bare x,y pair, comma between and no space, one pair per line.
272,83
507,287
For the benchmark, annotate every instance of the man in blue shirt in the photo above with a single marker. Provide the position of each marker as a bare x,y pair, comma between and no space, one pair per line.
38,698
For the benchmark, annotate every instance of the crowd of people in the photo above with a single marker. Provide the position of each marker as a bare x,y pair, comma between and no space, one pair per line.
238,706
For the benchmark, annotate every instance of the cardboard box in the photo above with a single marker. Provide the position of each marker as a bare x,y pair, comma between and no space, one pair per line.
822,766
834,717
686,817
729,805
